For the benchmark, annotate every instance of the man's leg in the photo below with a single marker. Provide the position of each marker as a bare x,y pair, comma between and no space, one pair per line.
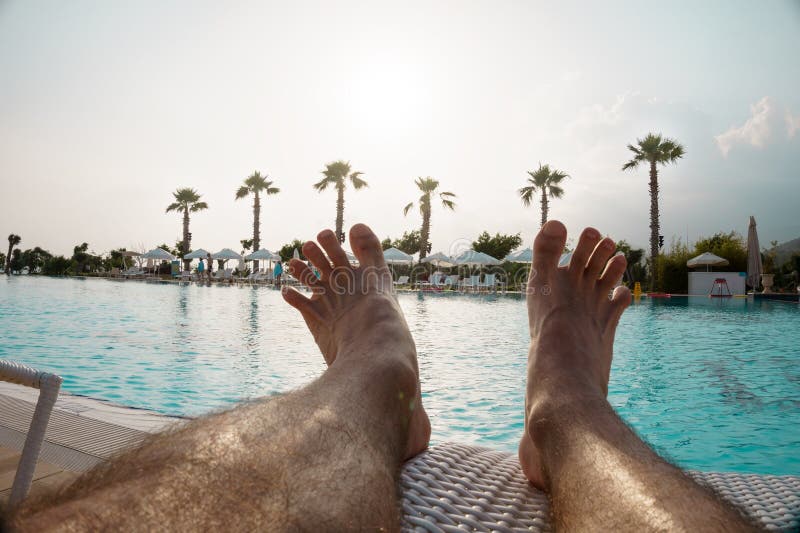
323,458
599,475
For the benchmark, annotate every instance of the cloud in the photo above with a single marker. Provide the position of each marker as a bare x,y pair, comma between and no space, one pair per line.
757,131
792,124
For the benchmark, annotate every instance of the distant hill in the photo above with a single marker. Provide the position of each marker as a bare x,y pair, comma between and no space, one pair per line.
786,250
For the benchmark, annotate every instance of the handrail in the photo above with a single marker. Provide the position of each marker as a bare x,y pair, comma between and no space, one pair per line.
48,385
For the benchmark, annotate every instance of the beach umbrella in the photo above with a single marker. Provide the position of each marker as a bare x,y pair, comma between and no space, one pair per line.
158,254
225,254
197,254
706,259
127,253
439,260
295,254
754,266
393,256
520,256
262,255
473,258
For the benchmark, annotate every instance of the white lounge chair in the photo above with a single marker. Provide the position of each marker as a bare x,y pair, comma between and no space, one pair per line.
48,385
451,281
470,283
402,280
490,282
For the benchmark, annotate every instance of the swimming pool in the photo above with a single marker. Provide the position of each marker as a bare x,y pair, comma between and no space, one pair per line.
712,384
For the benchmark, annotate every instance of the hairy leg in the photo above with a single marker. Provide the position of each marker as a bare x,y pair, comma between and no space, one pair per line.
598,473
325,457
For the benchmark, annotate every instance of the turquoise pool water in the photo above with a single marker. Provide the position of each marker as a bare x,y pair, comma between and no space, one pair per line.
712,384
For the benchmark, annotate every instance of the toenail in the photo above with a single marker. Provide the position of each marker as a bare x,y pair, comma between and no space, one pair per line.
608,244
551,229
592,233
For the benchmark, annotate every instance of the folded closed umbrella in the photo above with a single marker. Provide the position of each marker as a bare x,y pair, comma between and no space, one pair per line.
754,266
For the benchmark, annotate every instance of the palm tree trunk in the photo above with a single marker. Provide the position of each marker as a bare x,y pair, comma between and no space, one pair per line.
186,239
339,211
8,258
256,222
425,231
545,206
654,225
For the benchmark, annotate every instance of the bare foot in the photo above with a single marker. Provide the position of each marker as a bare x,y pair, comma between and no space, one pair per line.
572,323
355,318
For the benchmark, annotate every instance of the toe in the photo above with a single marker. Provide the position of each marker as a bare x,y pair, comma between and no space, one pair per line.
333,248
583,251
620,301
613,273
302,304
366,246
600,256
318,259
304,274
547,249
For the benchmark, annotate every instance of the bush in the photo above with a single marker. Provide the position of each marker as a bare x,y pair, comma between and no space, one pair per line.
672,274
57,265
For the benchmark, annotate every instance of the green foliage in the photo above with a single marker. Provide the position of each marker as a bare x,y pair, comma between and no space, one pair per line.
57,265
287,250
35,259
729,246
246,244
408,243
16,260
498,246
635,271
3,260
672,274
165,247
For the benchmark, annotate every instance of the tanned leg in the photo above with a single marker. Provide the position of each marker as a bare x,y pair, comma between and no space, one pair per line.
323,458
599,475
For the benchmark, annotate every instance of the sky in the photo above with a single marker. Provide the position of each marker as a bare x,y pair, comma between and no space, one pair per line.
108,107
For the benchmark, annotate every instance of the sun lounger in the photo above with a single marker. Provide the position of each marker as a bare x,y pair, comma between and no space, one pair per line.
48,385
490,282
455,487
451,281
401,281
470,283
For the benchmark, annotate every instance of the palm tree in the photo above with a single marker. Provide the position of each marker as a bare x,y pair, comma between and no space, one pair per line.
428,187
655,150
186,200
545,181
256,184
13,240
337,175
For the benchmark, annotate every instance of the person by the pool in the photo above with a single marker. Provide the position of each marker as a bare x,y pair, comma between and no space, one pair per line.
277,272
200,268
326,457
210,266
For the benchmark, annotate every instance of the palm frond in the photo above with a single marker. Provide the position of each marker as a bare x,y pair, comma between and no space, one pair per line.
242,192
358,183
174,206
449,204
272,190
408,208
450,194
322,184
526,194
555,191
198,206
